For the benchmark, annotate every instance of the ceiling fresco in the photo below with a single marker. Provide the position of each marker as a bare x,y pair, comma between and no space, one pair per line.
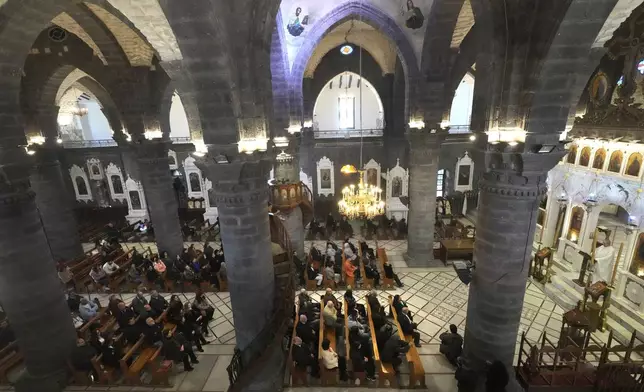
299,16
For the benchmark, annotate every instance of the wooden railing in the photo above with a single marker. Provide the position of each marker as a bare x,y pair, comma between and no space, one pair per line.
246,362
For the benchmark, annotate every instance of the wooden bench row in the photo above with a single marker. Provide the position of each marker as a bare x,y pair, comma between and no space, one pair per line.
416,370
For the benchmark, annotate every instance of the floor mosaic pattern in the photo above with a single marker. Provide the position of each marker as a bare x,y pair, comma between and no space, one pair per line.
436,297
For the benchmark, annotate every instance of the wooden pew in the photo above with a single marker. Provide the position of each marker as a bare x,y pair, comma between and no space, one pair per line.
327,377
311,284
347,346
10,357
416,370
298,377
382,256
349,281
385,371
367,283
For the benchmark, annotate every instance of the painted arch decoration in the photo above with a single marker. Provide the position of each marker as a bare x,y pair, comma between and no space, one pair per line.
301,18
577,183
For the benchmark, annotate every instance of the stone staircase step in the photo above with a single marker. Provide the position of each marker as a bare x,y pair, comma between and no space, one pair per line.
570,294
624,323
559,297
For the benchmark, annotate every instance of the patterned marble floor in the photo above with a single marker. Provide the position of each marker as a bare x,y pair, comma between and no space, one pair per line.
435,295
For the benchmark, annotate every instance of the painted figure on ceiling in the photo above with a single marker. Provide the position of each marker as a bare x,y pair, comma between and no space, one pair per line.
414,18
296,26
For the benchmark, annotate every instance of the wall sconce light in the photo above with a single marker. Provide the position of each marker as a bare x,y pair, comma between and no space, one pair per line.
508,134
416,124
472,138
153,134
59,140
36,140
249,146
281,141
445,124
308,124
294,129
200,148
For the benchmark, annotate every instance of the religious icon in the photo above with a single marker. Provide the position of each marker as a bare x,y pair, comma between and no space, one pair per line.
572,154
464,175
195,183
81,185
372,177
95,170
325,175
135,199
283,195
117,184
396,187
584,160
615,163
291,193
634,164
600,157
414,18
296,27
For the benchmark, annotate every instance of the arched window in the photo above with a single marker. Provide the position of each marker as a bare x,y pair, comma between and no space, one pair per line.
584,159
572,154
634,164
117,184
600,158
615,163
195,182
576,220
81,186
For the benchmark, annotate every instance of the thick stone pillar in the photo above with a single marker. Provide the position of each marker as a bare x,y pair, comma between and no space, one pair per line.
154,168
241,193
510,193
54,206
30,291
423,171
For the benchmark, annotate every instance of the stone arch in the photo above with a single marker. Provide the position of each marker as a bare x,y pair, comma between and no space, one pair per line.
370,15
556,75
438,56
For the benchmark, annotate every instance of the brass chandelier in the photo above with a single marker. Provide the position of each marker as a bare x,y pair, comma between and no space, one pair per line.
362,201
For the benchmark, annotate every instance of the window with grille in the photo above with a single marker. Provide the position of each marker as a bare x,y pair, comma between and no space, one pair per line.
440,183
346,112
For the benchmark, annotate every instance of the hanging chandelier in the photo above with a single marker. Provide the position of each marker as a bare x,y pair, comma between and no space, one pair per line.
362,201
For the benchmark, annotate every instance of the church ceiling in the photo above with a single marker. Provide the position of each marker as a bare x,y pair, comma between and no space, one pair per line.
464,23
138,52
361,34
299,16
68,23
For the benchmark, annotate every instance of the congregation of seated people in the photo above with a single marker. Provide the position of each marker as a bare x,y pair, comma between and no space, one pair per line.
109,332
330,266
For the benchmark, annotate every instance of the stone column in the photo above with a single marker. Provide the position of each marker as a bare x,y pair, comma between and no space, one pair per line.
154,167
423,171
54,205
241,193
510,193
30,291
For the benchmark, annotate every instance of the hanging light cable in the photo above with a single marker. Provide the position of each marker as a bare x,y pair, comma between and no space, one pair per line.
363,201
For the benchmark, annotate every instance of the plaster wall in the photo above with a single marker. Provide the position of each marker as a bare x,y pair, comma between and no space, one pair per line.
367,103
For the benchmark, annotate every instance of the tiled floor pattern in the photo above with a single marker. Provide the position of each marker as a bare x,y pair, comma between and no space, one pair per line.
435,296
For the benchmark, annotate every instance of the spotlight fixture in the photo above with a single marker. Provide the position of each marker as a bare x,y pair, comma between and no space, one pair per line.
472,138
546,149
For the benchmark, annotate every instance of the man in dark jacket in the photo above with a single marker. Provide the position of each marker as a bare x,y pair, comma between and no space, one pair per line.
124,314
175,351
392,350
389,273
305,332
132,331
451,344
158,303
152,332
408,326
139,302
361,361
302,357
82,355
